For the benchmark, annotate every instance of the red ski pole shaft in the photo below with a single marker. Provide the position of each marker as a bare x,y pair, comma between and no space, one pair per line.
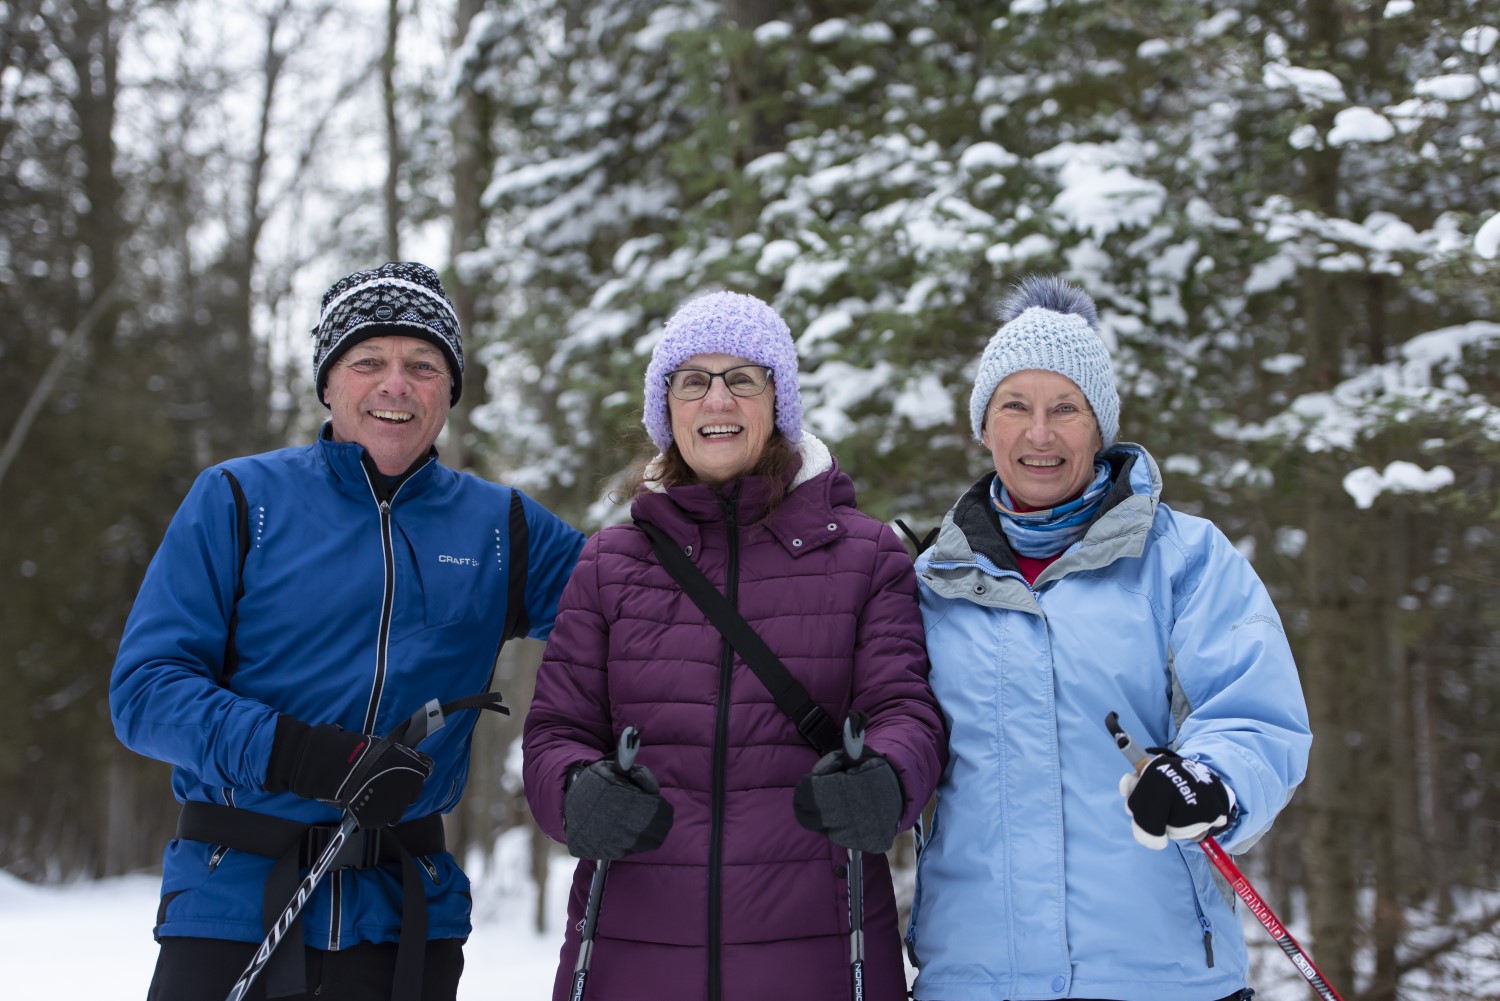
1138,759
1268,919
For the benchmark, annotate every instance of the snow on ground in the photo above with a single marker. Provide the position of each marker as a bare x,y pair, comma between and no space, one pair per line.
89,940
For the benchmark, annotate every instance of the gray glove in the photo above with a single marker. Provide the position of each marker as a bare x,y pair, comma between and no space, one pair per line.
608,813
856,804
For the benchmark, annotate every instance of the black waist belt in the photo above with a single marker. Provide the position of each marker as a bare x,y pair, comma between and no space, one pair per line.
296,846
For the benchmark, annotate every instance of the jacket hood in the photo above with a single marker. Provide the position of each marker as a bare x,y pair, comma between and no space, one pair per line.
814,455
811,516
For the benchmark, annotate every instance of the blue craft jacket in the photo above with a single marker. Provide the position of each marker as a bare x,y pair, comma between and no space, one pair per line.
353,612
1031,885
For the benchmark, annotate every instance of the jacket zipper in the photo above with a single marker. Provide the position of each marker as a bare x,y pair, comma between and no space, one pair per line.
1203,922
336,904
721,754
388,600
387,603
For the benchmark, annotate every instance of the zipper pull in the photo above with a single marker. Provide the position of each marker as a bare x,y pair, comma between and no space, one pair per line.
1208,941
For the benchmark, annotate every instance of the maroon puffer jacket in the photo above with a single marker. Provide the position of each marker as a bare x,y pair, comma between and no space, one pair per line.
741,903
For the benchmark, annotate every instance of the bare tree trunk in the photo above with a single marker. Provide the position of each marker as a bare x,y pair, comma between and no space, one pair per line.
119,810
92,47
90,42
1331,673
471,155
1331,783
392,132
1389,756
541,864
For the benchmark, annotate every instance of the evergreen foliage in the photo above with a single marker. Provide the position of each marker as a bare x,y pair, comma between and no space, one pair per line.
1286,212
1275,206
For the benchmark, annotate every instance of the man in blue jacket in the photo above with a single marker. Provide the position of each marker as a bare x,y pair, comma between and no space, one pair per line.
302,603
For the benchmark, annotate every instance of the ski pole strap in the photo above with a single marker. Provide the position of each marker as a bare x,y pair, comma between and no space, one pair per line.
920,544
296,846
262,834
484,700
791,698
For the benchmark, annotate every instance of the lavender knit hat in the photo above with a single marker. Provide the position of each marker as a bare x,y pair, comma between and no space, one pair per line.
399,298
1049,325
732,324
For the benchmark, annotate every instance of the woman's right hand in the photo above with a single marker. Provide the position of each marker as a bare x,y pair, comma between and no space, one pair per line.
857,804
609,813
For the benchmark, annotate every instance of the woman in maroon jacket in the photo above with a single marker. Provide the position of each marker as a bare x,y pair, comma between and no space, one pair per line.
726,889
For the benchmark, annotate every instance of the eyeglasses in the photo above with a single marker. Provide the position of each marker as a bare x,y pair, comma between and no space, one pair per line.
741,380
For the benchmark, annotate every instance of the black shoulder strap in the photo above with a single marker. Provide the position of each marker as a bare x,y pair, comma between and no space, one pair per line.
242,526
791,698
920,545
517,623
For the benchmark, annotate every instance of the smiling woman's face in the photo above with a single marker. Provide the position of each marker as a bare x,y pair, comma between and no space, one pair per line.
1043,437
722,436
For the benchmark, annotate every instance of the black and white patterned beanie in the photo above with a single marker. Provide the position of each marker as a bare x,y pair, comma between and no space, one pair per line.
401,298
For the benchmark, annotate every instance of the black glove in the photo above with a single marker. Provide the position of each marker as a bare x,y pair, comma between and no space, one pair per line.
374,780
1176,798
856,804
609,814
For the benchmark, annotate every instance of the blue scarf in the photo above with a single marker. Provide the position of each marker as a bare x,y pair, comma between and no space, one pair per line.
1039,534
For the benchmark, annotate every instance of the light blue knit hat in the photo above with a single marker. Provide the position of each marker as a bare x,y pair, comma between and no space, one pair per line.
727,323
1051,326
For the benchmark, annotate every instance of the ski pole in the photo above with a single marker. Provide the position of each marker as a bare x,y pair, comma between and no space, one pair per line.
424,722
630,743
854,746
1138,759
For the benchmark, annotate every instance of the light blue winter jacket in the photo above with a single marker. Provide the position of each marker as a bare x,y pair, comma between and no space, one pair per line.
353,613
1031,885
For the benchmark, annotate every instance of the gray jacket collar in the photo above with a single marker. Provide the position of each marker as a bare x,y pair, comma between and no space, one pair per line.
971,541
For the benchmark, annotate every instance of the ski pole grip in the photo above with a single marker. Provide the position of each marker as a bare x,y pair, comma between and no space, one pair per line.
854,735
423,724
630,743
1137,757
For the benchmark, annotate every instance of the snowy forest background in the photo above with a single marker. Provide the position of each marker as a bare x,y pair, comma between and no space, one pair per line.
1287,212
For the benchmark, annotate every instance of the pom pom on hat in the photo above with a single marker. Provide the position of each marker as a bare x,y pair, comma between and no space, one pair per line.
729,323
1050,326
403,299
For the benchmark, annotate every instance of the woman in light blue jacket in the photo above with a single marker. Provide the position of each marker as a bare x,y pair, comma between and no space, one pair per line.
1061,589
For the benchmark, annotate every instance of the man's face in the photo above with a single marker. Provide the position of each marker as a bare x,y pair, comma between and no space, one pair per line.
390,394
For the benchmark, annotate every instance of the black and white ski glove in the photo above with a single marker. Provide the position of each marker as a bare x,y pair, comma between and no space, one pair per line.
1176,798
856,804
609,814
373,779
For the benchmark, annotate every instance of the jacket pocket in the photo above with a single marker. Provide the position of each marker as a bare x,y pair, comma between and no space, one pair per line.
1202,882
453,581
913,954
